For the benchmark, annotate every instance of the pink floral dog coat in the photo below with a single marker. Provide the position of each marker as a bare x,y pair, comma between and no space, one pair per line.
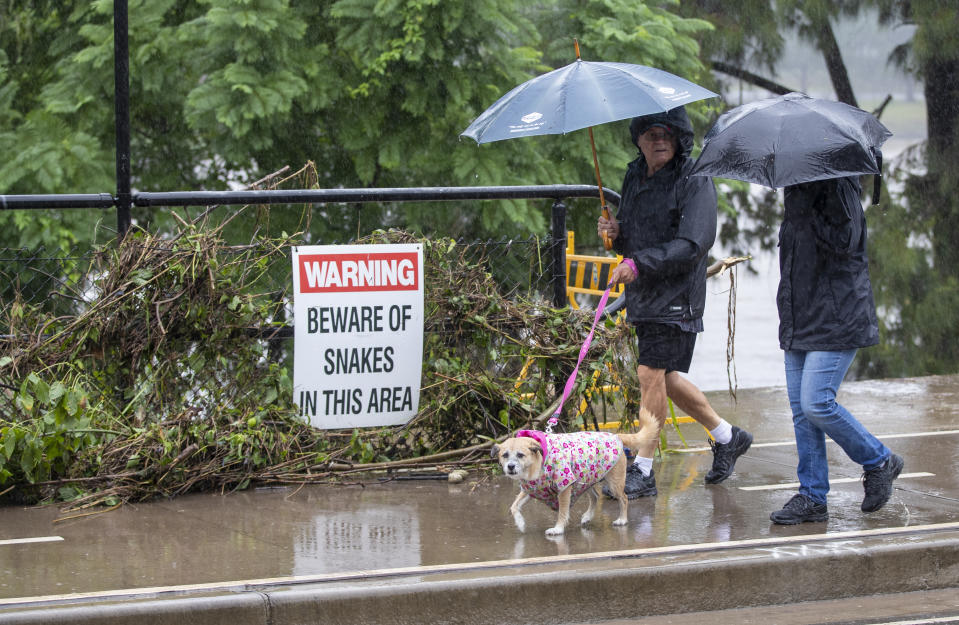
577,460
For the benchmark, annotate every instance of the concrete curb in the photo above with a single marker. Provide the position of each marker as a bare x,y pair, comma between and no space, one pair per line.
614,585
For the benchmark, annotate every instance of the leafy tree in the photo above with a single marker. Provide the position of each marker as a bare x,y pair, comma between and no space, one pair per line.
913,250
917,257
374,92
45,152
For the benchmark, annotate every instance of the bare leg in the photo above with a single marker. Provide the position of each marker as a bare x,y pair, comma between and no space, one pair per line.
652,385
691,400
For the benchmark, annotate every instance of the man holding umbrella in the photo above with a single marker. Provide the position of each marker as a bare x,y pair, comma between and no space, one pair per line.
664,228
667,223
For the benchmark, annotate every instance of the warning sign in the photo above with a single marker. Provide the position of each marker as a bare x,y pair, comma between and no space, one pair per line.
358,319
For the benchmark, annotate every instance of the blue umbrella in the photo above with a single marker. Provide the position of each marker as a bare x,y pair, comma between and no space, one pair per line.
581,95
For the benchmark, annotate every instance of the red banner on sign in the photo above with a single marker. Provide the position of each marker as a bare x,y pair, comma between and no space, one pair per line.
337,273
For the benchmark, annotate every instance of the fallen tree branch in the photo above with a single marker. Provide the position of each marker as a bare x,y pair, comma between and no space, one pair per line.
725,263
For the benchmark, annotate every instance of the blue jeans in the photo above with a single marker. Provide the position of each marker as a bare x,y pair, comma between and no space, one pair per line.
812,379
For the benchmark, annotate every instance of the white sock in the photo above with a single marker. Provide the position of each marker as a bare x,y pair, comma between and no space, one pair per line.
723,432
645,465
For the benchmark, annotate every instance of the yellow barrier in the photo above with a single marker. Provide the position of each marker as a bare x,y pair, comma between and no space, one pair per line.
588,274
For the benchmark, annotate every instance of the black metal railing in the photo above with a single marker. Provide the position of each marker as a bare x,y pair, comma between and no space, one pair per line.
558,193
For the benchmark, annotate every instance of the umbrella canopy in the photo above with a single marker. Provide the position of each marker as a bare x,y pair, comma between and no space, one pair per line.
791,139
580,95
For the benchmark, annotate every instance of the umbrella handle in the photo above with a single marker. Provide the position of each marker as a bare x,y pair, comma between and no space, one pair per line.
877,178
607,242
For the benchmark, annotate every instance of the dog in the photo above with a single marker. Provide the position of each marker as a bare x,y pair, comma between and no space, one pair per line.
558,468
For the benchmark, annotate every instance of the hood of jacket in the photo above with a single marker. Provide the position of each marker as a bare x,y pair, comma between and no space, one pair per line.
675,119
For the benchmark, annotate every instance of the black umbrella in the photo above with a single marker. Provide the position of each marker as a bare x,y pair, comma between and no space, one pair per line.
793,138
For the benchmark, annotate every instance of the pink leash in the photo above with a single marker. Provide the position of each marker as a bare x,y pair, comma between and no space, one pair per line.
582,354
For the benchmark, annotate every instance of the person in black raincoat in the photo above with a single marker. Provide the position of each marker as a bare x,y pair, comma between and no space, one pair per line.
826,312
664,228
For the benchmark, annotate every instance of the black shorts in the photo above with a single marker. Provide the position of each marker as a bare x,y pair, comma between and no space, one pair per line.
664,346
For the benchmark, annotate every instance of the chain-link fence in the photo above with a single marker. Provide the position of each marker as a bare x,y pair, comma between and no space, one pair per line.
53,279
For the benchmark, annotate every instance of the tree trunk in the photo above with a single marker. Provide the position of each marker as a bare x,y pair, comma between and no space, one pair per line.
827,44
942,118
942,98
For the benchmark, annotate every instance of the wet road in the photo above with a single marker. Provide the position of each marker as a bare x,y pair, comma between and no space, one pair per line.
348,536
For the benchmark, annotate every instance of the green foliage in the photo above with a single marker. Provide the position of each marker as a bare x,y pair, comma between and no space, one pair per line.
913,251
745,33
375,92
916,293
54,426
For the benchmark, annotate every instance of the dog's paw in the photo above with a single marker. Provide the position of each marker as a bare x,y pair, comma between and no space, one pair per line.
620,522
586,519
556,531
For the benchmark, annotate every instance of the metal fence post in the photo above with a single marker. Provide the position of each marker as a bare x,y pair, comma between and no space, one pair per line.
558,245
121,95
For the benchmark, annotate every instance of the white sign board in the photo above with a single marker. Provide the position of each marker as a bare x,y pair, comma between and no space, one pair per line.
358,333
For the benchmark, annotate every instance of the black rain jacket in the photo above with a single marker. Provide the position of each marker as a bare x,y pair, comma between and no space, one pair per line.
825,296
667,223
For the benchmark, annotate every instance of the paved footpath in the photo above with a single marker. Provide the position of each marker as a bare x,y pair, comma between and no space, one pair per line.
416,551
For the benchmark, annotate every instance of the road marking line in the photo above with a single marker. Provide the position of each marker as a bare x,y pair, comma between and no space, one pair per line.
915,434
924,621
36,539
689,450
419,571
841,480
